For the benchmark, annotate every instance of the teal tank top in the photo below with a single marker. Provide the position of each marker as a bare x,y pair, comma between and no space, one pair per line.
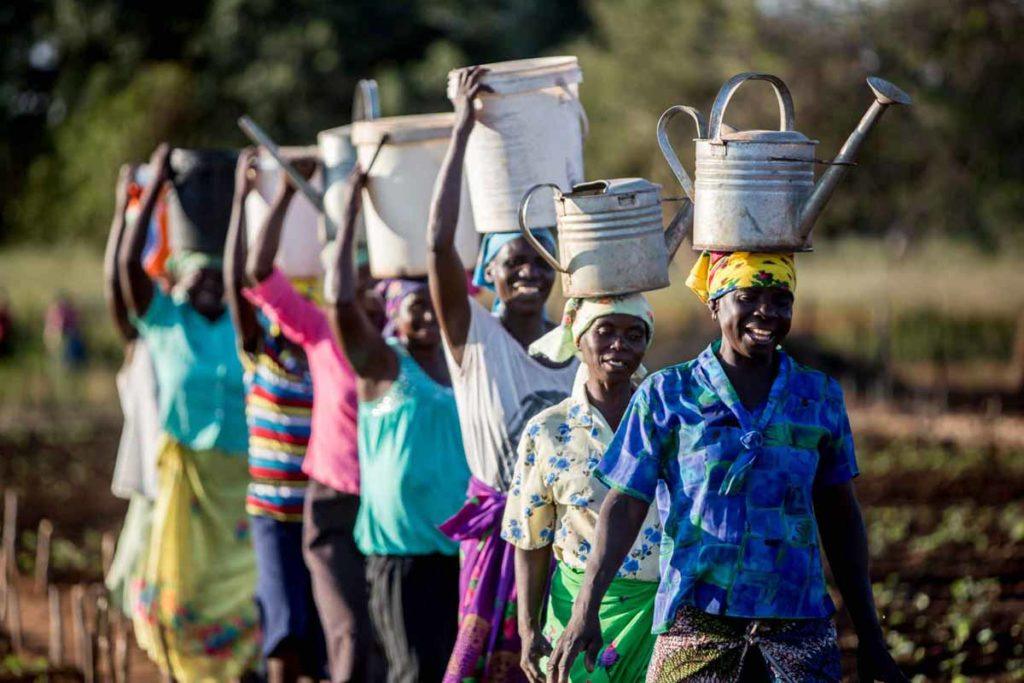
413,469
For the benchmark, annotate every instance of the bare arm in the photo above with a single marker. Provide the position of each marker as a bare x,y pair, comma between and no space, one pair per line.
236,250
532,569
111,283
618,524
446,271
371,358
260,260
136,287
846,546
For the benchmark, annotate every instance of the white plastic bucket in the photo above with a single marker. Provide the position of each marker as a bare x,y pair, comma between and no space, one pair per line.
396,201
299,252
339,158
529,130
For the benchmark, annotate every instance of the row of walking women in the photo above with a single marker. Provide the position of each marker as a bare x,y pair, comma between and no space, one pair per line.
435,491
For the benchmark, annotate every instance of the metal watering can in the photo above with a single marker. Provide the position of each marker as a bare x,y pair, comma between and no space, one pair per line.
755,189
610,236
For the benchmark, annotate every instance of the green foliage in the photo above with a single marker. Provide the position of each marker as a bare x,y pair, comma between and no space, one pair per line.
126,77
68,194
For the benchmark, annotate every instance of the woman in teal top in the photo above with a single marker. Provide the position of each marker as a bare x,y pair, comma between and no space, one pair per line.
413,469
194,614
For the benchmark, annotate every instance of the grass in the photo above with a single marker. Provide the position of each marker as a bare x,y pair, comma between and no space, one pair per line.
939,302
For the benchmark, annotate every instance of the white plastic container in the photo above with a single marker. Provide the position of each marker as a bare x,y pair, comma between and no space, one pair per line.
396,201
299,252
530,130
339,158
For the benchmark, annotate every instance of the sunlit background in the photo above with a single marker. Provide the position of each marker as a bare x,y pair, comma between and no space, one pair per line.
914,295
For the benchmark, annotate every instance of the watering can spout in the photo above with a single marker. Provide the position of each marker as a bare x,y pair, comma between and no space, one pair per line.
886,94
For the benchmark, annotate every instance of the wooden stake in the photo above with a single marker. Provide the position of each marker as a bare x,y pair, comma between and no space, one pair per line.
105,650
83,640
122,653
56,628
14,617
43,538
10,568
107,546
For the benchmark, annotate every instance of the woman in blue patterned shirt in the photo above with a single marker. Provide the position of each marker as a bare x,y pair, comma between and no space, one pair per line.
749,456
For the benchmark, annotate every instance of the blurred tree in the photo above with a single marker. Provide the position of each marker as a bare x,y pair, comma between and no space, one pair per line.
78,76
291,65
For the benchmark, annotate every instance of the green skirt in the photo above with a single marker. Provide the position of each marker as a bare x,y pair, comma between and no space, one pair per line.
626,616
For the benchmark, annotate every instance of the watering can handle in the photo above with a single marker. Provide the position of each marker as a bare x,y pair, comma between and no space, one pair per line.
666,144
524,206
366,102
786,115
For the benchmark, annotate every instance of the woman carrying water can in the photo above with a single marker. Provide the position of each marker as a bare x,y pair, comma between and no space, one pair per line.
750,458
554,499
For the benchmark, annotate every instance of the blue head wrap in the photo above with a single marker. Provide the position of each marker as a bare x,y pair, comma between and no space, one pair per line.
493,243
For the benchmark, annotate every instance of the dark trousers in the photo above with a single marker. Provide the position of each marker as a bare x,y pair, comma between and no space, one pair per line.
414,605
338,571
284,595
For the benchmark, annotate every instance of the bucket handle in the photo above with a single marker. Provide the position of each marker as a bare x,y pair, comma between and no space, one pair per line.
524,206
366,101
786,115
578,106
666,145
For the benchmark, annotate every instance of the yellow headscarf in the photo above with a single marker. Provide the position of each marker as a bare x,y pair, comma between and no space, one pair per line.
715,274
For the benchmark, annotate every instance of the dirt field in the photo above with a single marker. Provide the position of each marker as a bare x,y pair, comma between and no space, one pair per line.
943,498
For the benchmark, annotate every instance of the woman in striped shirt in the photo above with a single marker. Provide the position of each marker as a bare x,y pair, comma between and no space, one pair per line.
279,406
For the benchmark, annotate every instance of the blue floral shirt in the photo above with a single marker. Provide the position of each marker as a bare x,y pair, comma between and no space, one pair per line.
554,499
734,489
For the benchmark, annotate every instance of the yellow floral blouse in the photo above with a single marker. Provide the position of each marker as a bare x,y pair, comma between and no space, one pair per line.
555,500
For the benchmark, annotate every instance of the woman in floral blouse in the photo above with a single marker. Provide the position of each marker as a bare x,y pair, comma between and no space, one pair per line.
554,501
750,457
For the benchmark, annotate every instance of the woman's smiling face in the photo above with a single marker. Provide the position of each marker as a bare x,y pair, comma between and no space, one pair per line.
754,320
614,347
522,279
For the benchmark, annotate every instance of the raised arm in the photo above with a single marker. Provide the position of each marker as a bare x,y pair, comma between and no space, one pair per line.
136,287
371,358
111,283
446,271
260,261
846,546
235,251
618,524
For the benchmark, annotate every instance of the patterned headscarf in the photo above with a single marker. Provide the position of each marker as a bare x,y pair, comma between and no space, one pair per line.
716,273
563,342
394,292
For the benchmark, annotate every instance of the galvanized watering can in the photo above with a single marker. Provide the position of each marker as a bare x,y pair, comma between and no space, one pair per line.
755,189
610,237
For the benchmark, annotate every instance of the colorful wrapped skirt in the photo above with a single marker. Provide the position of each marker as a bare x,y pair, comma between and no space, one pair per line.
487,645
704,647
194,614
626,615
